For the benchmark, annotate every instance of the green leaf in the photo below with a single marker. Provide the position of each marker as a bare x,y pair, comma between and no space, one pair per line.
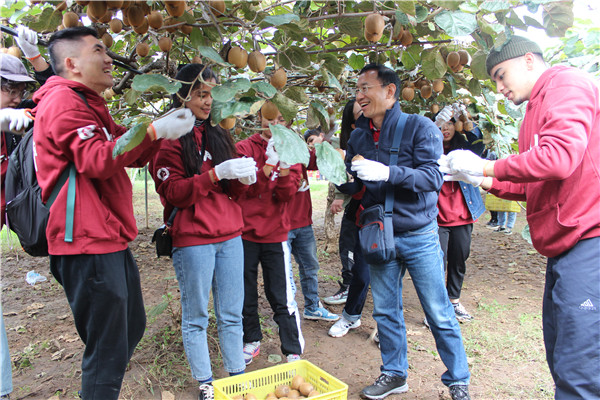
532,22
239,108
356,61
130,139
558,17
474,87
514,20
212,55
411,57
478,68
276,20
401,17
494,6
291,148
197,38
469,7
456,23
7,12
332,63
264,89
406,6
131,96
154,83
317,116
229,89
47,21
297,94
296,56
330,163
332,81
525,234
286,106
421,13
433,63
352,27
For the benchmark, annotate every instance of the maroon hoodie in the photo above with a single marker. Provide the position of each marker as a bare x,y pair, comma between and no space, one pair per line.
299,209
264,204
206,213
67,131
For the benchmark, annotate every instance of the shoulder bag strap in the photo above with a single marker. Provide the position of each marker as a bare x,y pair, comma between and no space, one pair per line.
394,150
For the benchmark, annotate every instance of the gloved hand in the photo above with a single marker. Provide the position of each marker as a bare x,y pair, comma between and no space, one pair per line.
369,170
444,116
459,109
466,162
248,180
27,41
271,153
173,124
14,120
459,176
304,186
444,163
236,168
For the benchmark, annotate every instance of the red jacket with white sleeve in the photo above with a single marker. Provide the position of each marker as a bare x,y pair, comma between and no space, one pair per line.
264,204
207,214
557,170
68,131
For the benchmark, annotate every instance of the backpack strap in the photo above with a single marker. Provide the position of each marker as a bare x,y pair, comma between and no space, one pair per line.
394,150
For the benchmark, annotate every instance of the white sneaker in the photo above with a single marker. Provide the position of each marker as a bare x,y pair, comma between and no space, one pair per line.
342,327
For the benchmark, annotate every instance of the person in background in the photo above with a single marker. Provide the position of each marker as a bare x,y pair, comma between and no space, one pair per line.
265,237
506,222
459,205
557,173
348,228
489,154
200,174
415,180
301,237
97,270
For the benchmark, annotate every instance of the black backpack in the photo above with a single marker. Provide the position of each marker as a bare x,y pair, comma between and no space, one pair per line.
26,214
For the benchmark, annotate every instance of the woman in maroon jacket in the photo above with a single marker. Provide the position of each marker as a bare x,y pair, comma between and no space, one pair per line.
200,174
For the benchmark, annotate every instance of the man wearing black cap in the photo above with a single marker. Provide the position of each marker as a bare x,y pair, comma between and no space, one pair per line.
557,173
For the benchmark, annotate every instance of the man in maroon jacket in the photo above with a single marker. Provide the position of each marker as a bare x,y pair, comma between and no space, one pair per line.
557,173
94,265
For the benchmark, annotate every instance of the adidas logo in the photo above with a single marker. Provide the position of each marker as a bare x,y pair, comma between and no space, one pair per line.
587,305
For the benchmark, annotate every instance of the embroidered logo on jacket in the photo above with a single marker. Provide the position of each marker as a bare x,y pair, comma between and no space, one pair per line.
86,132
587,305
162,174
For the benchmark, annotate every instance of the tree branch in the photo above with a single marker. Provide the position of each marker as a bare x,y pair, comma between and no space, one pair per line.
366,46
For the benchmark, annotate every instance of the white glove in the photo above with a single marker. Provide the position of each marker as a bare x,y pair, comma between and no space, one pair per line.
173,124
459,176
465,161
271,153
369,170
248,180
236,168
27,41
444,116
444,162
459,109
305,186
14,120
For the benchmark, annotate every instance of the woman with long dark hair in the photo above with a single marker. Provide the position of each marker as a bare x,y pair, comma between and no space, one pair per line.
200,174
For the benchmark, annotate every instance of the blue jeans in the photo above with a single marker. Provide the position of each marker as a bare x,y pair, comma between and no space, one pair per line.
419,252
507,219
5,363
220,267
303,246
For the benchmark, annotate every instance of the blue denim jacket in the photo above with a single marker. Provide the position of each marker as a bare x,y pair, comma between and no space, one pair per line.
473,198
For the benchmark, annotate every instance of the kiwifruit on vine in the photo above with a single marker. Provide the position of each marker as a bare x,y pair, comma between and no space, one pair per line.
408,93
217,7
238,57
257,61
165,43
227,123
142,49
279,78
374,25
269,110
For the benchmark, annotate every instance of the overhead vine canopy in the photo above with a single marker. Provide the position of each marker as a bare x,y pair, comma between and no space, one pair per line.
302,55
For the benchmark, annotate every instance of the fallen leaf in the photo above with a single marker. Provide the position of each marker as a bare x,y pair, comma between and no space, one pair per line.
167,396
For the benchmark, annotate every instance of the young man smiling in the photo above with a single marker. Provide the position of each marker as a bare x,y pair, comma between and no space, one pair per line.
93,263
415,180
557,173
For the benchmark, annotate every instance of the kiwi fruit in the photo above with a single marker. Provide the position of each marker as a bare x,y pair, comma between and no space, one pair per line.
142,49
116,25
453,59
82,2
438,85
408,93
464,57
227,124
271,396
269,110
343,155
357,157
114,4
250,396
294,394
97,9
108,94
143,28
62,6
299,379
257,61
306,388
314,393
175,8
107,40
196,60
279,78
15,51
106,18
282,391
238,57
70,19
135,15
435,109
407,38
468,126
186,29
426,91
458,68
458,126
165,43
217,7
155,20
374,25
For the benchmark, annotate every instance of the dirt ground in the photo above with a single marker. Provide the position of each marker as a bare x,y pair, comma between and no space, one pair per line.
503,290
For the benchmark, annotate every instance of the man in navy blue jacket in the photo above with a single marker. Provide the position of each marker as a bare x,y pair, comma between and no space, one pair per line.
416,180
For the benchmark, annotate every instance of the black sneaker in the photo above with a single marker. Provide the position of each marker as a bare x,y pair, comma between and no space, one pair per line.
460,392
207,392
384,386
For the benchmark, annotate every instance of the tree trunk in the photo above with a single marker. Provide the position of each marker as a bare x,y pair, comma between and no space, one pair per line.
331,233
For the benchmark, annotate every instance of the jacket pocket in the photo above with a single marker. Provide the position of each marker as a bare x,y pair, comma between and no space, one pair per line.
551,235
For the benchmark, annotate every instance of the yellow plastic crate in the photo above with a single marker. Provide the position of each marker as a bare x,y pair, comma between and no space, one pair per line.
262,382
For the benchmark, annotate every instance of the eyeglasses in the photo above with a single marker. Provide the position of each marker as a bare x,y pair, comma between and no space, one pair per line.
365,89
14,93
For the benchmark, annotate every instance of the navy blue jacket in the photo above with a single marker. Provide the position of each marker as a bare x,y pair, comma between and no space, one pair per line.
415,178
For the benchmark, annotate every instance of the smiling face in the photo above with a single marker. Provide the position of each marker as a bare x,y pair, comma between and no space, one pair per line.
513,78
90,64
377,99
201,99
